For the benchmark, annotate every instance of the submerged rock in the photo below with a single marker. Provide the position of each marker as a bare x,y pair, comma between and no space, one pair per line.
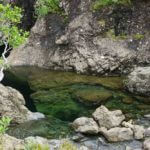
139,81
93,96
85,125
108,119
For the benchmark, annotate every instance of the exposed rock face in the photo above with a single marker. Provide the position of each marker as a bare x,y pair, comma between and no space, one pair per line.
12,104
82,45
9,142
139,81
146,144
117,134
108,119
85,125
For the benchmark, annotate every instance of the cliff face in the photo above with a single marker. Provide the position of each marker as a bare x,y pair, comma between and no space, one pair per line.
111,40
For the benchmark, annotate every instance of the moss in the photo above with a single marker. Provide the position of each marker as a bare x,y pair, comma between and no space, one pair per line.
59,104
98,4
138,36
93,96
52,79
49,128
127,100
111,34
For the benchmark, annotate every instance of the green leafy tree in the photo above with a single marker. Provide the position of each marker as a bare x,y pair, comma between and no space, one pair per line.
10,35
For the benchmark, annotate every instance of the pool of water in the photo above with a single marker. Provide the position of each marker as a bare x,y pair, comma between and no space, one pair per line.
65,96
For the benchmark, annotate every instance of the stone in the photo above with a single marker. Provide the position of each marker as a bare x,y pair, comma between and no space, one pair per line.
138,81
12,104
85,125
84,49
93,96
117,134
146,144
83,148
138,132
9,143
108,119
35,116
147,132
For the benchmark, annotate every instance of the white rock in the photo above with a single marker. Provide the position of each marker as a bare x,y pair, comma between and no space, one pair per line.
138,132
35,116
147,132
108,119
146,144
85,125
117,134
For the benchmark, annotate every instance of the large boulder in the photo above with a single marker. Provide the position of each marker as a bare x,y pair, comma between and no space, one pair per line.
9,143
117,134
85,125
12,104
86,43
138,81
108,119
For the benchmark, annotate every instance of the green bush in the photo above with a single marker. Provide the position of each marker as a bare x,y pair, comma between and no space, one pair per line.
43,7
103,3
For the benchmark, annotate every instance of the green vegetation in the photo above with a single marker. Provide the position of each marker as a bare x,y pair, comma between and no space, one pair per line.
138,36
43,7
66,145
111,34
36,146
4,123
10,33
93,96
98,4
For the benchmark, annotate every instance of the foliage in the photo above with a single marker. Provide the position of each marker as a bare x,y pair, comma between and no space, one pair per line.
36,146
43,7
4,123
9,18
66,145
103,3
138,36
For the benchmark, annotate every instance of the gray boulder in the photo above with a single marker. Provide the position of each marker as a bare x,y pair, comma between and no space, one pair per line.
146,144
108,119
138,81
117,134
85,125
12,104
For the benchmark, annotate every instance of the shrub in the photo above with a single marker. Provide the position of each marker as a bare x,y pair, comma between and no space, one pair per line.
4,123
103,3
43,7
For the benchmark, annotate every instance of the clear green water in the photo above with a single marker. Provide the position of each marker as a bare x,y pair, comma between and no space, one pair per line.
65,96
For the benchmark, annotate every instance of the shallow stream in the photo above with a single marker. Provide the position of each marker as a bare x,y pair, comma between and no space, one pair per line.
65,96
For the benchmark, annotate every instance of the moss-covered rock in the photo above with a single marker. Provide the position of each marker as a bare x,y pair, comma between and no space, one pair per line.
93,96
59,104
53,79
